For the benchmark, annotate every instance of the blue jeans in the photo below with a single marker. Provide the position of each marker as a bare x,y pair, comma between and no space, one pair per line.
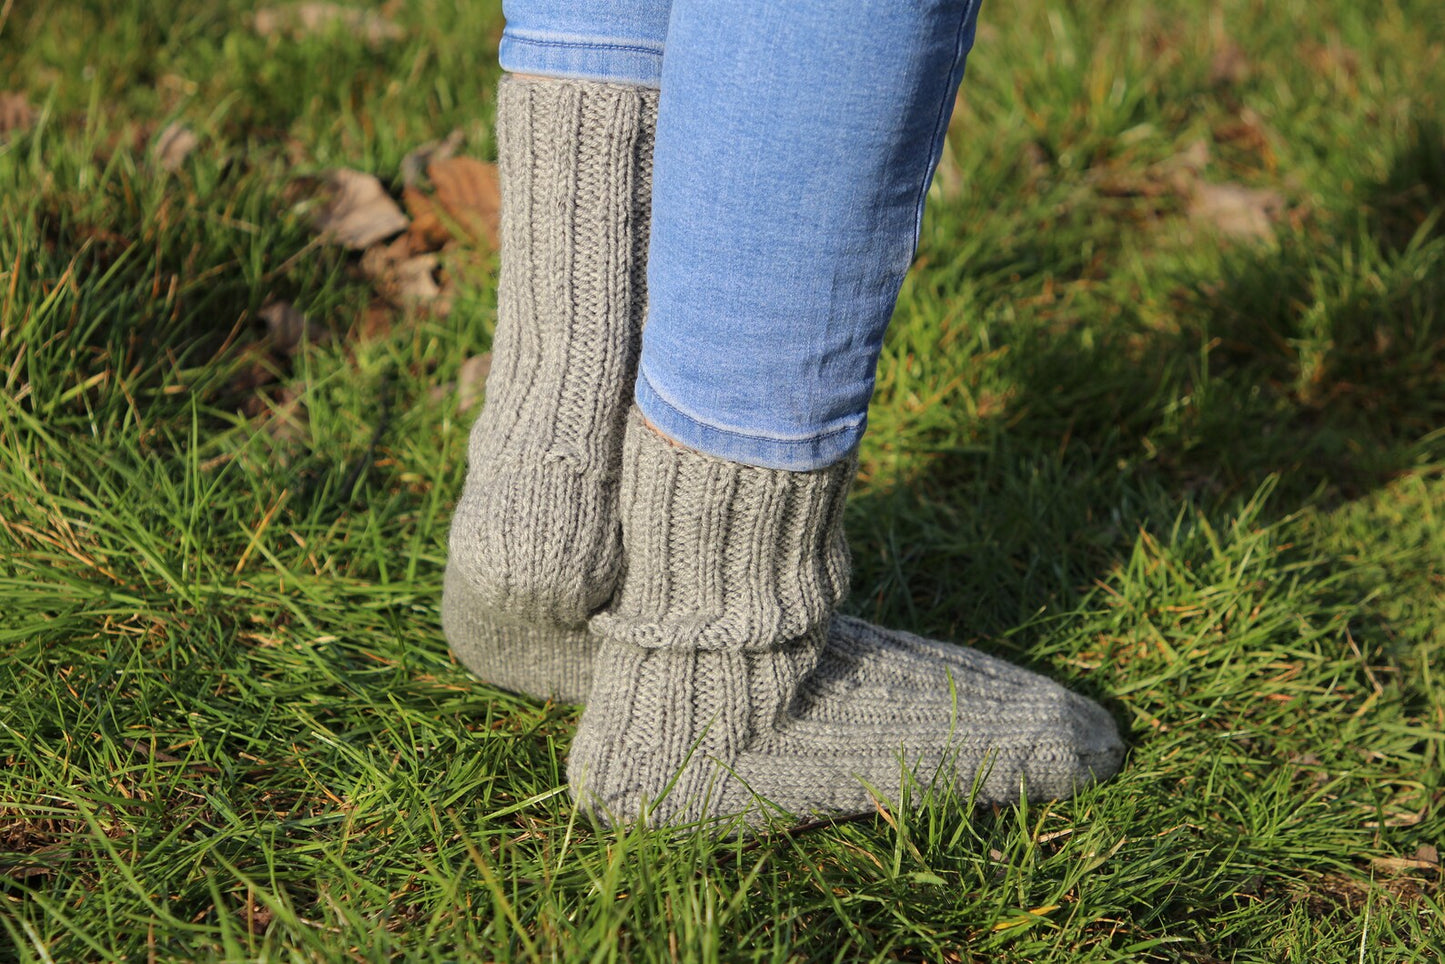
795,143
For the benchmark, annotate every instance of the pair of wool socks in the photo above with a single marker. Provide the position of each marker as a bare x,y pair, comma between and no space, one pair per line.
716,672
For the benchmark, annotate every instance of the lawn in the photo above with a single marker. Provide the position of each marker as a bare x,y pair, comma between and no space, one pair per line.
1161,415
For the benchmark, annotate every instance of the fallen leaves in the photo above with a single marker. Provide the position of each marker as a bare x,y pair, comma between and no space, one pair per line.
1401,879
467,200
414,165
427,232
359,212
1247,134
449,201
404,279
452,205
274,408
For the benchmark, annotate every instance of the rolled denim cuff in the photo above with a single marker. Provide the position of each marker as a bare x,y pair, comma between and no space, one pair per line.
770,450
576,57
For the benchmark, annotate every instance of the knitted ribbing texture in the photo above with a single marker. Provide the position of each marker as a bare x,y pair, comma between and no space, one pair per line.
535,541
725,685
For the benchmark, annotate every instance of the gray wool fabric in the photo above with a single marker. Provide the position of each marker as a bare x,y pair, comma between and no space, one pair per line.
724,675
535,543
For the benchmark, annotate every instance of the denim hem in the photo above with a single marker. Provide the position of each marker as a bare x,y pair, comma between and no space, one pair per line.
796,455
581,58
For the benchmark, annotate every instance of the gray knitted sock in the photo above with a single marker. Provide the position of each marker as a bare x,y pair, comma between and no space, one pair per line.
535,542
723,675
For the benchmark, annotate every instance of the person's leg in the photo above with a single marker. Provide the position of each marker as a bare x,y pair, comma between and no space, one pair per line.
795,145
795,142
534,545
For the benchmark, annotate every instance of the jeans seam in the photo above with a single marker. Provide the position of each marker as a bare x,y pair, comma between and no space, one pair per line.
811,440
940,125
584,45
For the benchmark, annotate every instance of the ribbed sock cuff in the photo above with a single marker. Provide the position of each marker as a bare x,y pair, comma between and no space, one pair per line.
575,161
722,555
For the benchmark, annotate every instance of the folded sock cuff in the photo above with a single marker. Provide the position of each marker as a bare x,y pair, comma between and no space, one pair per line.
722,555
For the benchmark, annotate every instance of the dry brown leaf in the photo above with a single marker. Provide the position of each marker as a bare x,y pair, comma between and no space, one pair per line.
16,114
1228,209
1429,853
307,19
1397,819
1236,211
1326,891
402,278
376,261
173,145
359,213
174,86
288,327
470,384
426,233
416,280
376,321
414,165
468,193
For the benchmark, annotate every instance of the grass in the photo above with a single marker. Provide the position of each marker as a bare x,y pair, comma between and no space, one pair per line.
1199,477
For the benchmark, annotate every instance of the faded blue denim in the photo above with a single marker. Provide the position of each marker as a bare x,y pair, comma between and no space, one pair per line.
795,143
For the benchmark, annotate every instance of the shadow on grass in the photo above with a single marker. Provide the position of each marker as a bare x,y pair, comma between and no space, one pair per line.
1315,367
